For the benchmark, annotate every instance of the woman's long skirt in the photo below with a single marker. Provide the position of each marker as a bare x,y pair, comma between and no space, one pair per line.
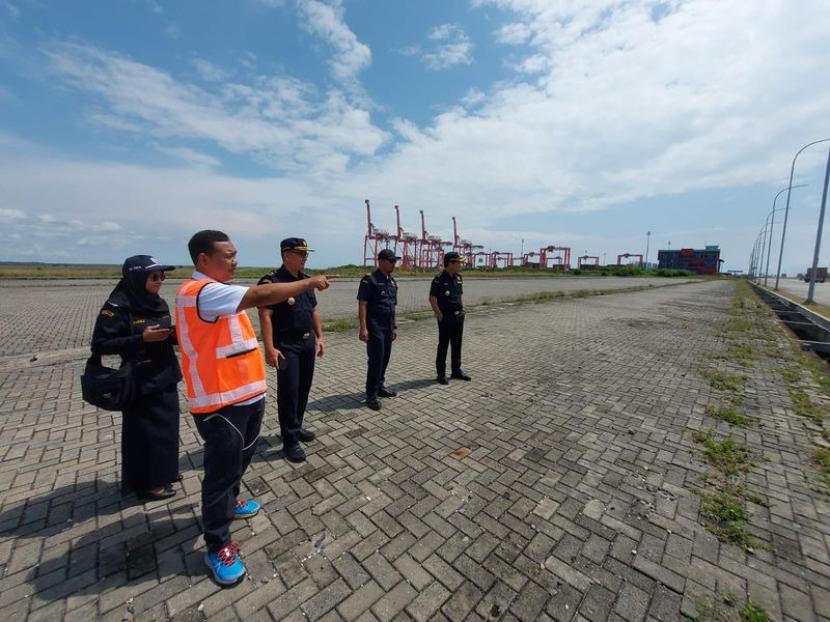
150,441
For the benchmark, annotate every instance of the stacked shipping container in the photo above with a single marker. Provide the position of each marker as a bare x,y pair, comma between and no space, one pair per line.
705,261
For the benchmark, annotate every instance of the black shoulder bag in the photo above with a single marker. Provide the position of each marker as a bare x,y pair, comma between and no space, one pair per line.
106,387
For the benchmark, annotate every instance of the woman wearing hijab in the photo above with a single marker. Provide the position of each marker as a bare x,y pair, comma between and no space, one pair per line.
135,323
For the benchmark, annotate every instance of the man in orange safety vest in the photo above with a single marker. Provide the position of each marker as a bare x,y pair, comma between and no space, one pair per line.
225,377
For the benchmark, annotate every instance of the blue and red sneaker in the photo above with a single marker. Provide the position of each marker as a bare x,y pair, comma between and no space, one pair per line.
225,564
246,509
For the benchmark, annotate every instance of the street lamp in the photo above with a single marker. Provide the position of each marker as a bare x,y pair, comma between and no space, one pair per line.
772,226
648,239
812,289
787,209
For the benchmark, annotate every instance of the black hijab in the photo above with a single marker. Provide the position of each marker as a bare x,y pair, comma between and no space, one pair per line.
130,293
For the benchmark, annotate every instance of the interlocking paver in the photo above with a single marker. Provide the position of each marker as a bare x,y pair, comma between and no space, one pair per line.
574,502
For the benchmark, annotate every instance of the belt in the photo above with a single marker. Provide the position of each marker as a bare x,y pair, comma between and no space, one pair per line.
294,335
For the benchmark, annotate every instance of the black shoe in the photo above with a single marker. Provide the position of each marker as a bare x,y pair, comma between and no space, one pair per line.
294,453
155,495
306,436
374,404
442,380
384,392
460,375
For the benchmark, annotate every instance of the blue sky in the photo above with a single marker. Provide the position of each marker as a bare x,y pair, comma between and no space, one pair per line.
127,125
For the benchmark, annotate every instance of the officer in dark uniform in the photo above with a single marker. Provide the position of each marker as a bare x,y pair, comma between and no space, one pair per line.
293,335
445,297
377,297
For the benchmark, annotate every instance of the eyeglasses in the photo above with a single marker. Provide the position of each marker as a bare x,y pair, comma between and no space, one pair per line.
157,276
302,254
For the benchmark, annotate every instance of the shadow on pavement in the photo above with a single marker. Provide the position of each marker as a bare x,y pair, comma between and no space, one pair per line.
88,556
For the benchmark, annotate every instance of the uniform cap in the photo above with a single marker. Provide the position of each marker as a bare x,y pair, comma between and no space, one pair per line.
295,244
452,256
389,254
143,263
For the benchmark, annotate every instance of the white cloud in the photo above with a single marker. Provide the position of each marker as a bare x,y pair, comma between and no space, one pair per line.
190,156
280,121
611,102
513,34
450,47
10,215
208,71
326,20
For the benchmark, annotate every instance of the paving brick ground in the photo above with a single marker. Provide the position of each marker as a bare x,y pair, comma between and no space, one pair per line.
572,500
60,315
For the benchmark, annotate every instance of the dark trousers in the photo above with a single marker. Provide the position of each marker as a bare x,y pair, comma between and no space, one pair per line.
450,332
294,376
230,436
150,441
379,348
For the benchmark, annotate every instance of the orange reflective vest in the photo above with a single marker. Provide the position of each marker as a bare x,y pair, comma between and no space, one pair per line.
221,361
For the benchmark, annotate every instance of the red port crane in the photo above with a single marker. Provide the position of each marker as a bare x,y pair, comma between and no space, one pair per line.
406,244
558,256
500,259
585,262
464,248
432,249
374,239
626,256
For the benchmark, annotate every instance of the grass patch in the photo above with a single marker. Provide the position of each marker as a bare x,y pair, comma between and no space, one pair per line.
753,612
737,325
742,354
340,326
730,415
724,381
728,456
419,315
804,406
822,457
725,516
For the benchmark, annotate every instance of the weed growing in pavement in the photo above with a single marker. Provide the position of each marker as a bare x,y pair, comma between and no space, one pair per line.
742,354
730,415
753,612
726,517
727,455
804,406
822,457
724,381
340,326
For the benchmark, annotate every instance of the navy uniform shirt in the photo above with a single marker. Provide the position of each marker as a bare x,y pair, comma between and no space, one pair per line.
448,290
380,292
288,319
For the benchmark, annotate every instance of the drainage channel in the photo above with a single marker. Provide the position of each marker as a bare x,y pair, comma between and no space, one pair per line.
812,330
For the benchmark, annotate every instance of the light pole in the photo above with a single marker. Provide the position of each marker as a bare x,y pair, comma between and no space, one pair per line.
787,209
648,239
812,289
772,227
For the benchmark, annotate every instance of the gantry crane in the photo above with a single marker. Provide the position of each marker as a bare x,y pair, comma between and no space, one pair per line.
465,248
374,239
431,255
628,255
585,263
406,244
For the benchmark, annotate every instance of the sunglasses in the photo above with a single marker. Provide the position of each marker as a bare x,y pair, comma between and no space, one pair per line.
302,254
157,276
